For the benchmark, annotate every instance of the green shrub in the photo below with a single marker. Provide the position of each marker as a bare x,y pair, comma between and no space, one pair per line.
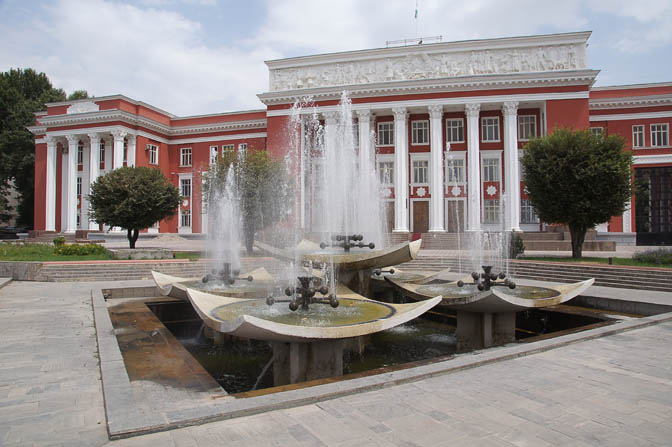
516,246
59,241
79,249
661,256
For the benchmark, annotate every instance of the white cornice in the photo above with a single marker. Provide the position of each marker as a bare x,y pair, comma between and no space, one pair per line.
467,83
633,86
106,129
467,45
37,130
627,102
112,98
136,120
632,116
240,136
652,159
490,99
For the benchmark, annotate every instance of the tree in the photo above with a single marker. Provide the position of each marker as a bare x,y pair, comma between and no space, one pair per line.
78,94
263,189
132,198
577,179
22,92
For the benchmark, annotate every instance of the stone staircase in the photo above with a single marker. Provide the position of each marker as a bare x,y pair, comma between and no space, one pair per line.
608,276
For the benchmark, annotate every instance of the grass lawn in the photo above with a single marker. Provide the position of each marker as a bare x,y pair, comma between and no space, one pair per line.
190,255
588,260
41,252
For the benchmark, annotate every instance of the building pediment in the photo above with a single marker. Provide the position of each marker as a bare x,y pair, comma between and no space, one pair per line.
536,54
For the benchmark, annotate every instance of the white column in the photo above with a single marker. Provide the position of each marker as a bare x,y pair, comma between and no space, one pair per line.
118,157
627,217
50,186
94,166
365,152
474,178
400,170
512,186
71,190
132,140
436,166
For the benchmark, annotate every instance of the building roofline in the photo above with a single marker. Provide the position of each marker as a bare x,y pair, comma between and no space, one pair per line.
109,98
209,115
633,86
464,45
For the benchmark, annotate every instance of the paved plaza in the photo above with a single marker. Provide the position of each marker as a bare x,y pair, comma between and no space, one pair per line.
613,390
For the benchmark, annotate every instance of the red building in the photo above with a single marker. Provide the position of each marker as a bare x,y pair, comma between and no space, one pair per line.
450,120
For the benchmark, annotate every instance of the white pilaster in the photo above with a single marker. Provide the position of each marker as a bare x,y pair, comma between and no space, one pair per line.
512,186
627,217
94,166
366,154
436,168
50,186
400,170
118,157
132,140
71,189
474,177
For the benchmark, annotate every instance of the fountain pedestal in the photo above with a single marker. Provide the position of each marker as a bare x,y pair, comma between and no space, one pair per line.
478,330
296,362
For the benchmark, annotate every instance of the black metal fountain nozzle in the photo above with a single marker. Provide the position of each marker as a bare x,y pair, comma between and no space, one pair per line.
226,275
379,272
487,279
304,295
348,241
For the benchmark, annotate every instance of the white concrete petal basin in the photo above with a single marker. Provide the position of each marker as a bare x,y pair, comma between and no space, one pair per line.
354,260
498,299
175,286
227,315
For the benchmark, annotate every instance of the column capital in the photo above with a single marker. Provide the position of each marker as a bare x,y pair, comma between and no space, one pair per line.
472,110
364,114
118,134
400,113
51,140
72,139
510,108
330,117
435,111
131,137
93,137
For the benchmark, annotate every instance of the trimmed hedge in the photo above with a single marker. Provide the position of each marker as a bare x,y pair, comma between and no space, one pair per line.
79,249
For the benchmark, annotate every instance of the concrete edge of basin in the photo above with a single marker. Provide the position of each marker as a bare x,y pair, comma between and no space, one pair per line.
4,282
125,419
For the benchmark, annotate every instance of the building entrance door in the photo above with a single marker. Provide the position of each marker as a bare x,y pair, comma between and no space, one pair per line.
455,216
420,216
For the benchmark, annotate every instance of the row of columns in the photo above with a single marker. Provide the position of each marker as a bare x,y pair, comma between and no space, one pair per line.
70,171
436,166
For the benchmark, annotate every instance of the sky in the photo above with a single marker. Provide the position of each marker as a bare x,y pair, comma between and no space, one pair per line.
194,57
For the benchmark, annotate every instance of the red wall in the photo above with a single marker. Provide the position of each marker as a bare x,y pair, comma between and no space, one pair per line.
570,113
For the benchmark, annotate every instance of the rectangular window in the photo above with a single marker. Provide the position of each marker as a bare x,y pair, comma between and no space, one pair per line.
597,131
185,156
528,214
386,172
79,186
491,211
455,171
527,127
386,134
185,220
490,169
490,129
419,132
125,150
455,130
80,154
420,171
185,187
355,134
153,154
638,136
213,154
242,148
101,153
659,135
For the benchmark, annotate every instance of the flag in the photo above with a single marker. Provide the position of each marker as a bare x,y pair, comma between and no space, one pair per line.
416,13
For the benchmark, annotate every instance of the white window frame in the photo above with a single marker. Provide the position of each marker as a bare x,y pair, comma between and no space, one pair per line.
214,153
492,211
531,126
181,228
228,148
491,155
80,153
528,206
101,152
125,151
152,154
385,158
185,215
185,155
461,157
79,187
598,130
664,132
420,157
486,123
420,128
183,181
388,131
497,172
638,133
450,128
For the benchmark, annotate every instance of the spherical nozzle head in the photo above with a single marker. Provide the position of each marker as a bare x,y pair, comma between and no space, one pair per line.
502,275
460,283
293,306
231,281
249,278
392,271
481,287
206,278
323,245
324,290
512,285
289,291
372,245
270,300
474,275
333,301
